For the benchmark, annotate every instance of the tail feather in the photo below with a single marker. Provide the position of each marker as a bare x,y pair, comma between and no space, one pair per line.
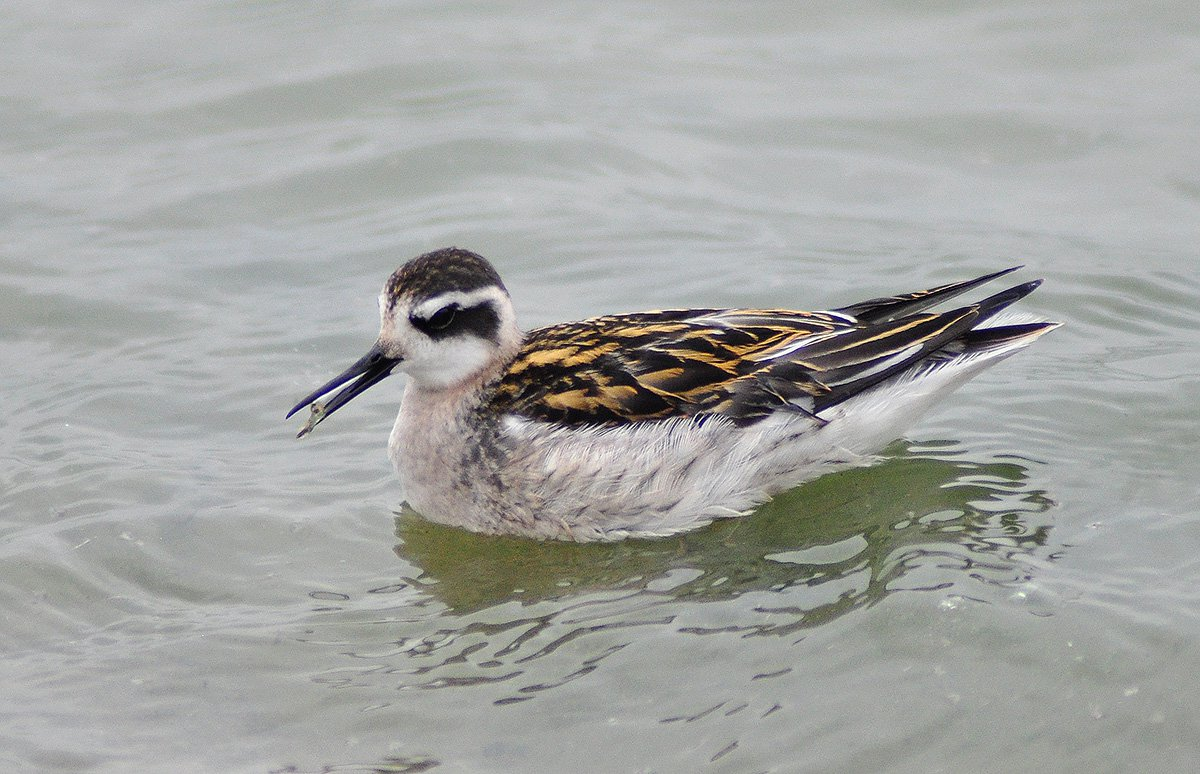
1003,335
887,308
959,335
990,344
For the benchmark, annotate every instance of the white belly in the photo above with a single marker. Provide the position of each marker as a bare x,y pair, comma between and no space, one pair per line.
645,479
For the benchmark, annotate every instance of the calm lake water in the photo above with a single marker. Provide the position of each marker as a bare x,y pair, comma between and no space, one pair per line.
200,202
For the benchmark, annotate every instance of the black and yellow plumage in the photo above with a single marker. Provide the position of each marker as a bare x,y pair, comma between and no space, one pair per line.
652,423
742,364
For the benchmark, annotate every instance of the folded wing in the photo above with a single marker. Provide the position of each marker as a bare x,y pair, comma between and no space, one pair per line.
743,365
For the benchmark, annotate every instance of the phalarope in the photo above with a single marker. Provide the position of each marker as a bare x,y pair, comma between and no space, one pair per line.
649,424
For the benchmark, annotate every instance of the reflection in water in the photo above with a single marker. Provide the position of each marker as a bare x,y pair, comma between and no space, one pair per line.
924,519
860,530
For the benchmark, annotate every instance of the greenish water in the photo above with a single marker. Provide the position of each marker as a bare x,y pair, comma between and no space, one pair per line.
200,202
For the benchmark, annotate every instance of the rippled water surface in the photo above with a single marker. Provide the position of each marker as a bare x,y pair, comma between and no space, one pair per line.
200,201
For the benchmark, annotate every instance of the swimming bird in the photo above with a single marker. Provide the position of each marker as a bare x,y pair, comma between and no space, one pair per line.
652,423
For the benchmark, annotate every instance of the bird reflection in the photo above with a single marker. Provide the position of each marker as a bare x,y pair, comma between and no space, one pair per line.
923,518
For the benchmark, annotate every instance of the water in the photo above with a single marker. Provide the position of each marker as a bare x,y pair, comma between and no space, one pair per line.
200,201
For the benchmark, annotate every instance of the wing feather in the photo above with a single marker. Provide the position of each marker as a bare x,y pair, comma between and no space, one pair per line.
742,364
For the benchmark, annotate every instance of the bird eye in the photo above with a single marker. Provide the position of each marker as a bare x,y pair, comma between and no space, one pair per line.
441,319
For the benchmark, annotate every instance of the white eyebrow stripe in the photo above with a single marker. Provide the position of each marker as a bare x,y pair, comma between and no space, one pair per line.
464,300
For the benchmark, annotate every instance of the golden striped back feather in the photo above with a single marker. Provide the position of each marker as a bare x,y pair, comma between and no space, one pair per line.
741,364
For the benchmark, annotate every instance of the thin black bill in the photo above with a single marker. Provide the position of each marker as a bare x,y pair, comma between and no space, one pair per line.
370,369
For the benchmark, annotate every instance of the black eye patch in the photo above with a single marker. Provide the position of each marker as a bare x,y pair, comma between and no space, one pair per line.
442,318
452,320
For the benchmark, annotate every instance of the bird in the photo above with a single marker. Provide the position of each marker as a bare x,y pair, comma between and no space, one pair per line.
653,423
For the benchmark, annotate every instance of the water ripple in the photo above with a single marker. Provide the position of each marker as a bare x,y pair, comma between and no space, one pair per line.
838,545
